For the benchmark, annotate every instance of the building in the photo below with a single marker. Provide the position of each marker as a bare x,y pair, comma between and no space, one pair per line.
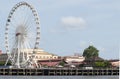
49,63
3,57
40,54
0,52
115,63
43,58
71,59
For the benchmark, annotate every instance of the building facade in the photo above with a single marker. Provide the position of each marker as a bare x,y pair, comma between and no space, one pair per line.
115,63
40,54
70,59
3,57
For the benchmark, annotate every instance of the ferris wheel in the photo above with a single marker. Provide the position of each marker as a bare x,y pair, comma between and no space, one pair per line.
22,33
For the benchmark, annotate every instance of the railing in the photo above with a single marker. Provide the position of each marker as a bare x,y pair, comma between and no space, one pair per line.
58,71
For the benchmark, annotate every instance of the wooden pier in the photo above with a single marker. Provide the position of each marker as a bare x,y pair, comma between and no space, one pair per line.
58,72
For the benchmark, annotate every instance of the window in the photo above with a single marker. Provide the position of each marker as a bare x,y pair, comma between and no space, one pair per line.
36,57
39,56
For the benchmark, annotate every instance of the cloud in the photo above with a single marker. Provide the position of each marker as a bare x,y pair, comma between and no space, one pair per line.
84,44
56,30
74,23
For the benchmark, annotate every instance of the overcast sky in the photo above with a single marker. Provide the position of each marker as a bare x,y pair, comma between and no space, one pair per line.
70,26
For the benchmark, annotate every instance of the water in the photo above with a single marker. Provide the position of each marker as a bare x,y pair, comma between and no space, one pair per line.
59,77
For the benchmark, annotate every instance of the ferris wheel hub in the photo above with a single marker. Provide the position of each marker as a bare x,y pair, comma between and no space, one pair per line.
18,34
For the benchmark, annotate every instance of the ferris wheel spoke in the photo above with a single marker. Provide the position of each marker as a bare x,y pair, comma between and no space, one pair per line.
12,24
14,44
28,24
29,28
14,51
27,16
16,17
23,52
29,21
30,42
14,21
12,37
27,52
21,14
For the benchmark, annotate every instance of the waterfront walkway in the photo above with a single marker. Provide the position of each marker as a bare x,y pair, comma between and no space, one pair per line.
58,71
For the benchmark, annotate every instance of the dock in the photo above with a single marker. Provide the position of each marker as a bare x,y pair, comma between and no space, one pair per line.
58,72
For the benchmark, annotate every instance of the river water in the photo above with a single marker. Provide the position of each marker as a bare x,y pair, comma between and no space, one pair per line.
59,77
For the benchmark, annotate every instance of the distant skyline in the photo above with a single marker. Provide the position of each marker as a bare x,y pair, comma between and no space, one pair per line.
70,26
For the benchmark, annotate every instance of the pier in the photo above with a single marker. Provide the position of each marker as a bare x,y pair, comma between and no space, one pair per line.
58,72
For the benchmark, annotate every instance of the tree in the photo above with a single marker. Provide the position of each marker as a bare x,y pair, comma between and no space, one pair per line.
107,64
99,64
90,52
103,64
62,63
3,63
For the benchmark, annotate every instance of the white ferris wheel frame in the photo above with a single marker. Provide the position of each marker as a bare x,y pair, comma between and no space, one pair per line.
29,61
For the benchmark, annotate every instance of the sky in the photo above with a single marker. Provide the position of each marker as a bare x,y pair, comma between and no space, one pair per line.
70,26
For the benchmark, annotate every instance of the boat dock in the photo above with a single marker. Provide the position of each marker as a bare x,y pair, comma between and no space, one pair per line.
58,72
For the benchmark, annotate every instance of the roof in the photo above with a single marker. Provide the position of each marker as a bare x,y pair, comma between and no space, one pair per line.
50,60
38,51
95,58
49,63
113,60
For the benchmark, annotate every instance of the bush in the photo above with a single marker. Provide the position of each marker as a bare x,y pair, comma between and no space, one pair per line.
62,63
102,64
3,63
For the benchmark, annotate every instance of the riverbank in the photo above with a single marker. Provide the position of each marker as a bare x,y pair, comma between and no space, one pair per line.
58,72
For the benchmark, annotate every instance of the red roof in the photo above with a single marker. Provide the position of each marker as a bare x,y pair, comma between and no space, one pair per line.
50,60
49,63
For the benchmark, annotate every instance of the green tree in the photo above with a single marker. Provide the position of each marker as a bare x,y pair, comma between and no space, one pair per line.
102,64
90,52
62,63
99,64
107,64
2,63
